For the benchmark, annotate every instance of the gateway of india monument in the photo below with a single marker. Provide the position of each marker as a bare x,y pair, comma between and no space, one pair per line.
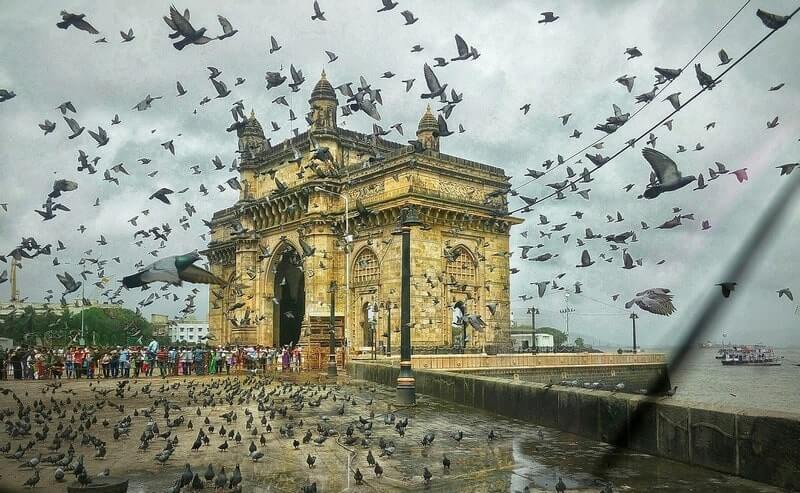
313,239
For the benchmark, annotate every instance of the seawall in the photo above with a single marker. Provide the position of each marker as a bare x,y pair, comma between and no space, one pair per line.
758,445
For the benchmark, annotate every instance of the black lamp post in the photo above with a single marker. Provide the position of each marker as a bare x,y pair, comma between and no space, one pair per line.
533,311
332,331
633,319
406,386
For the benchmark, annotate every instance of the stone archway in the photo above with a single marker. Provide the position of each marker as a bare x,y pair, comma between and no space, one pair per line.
289,283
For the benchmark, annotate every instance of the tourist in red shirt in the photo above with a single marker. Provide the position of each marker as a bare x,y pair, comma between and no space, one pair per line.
161,357
77,359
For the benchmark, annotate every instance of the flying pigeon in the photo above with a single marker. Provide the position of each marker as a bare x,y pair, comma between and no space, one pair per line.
173,270
434,87
76,20
70,285
318,14
183,28
227,29
547,17
727,288
669,178
655,300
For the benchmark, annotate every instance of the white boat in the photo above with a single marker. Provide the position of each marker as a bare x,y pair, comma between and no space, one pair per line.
755,355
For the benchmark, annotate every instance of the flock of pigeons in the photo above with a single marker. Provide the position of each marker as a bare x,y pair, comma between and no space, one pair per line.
74,430
665,178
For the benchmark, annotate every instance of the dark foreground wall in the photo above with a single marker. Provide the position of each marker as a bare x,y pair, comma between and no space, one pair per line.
762,446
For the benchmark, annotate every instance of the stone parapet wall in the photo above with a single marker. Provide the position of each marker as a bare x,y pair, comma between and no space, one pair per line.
755,444
519,361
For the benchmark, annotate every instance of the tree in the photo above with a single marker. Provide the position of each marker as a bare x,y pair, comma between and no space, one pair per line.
31,327
112,326
579,343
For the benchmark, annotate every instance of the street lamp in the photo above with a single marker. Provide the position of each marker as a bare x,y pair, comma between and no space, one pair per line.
347,240
633,318
533,311
332,331
567,311
406,386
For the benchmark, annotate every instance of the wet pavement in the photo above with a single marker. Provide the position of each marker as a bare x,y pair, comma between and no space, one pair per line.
521,454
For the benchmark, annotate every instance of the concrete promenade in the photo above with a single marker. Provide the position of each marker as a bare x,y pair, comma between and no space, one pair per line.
754,444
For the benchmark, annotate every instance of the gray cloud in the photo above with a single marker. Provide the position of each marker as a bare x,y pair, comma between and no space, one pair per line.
567,66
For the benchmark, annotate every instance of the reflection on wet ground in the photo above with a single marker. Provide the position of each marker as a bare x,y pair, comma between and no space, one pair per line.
521,454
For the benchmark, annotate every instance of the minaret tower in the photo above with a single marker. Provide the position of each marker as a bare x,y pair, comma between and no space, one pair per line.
323,104
428,131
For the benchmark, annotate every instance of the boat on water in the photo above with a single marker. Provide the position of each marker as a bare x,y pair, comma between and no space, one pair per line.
755,355
706,345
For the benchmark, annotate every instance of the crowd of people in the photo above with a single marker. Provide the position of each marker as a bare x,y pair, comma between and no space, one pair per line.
27,362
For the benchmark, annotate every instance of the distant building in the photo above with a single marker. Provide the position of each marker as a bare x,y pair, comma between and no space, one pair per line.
159,324
6,343
188,330
544,342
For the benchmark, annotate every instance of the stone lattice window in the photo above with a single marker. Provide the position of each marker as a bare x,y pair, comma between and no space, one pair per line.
366,268
462,269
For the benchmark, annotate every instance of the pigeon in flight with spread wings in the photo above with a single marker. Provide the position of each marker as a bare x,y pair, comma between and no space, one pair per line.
173,270
655,300
669,178
434,87
180,24
76,20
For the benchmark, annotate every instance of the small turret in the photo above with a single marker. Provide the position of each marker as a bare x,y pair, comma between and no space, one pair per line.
323,104
251,137
428,131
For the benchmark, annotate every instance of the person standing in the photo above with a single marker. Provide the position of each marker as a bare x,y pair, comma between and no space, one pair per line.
222,359
88,362
285,359
231,361
161,358
124,360
212,365
105,363
197,357
30,360
38,361
133,362
153,346
186,359
70,370
151,359
172,356
77,360
115,362
3,363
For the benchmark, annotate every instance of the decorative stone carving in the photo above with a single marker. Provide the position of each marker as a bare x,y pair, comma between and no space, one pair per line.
366,191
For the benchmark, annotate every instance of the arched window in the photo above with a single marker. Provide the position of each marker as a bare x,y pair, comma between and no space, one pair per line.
462,268
365,267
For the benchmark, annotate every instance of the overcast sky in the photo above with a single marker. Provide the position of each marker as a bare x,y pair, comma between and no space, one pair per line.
568,66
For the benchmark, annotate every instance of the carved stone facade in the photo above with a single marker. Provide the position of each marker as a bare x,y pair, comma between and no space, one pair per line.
282,245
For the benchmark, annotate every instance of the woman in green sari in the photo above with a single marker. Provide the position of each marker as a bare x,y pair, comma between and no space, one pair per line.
212,365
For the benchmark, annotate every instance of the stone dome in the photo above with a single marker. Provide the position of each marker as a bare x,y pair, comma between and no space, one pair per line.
428,122
252,128
323,90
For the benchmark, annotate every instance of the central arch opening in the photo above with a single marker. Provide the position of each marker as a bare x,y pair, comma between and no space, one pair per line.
290,294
